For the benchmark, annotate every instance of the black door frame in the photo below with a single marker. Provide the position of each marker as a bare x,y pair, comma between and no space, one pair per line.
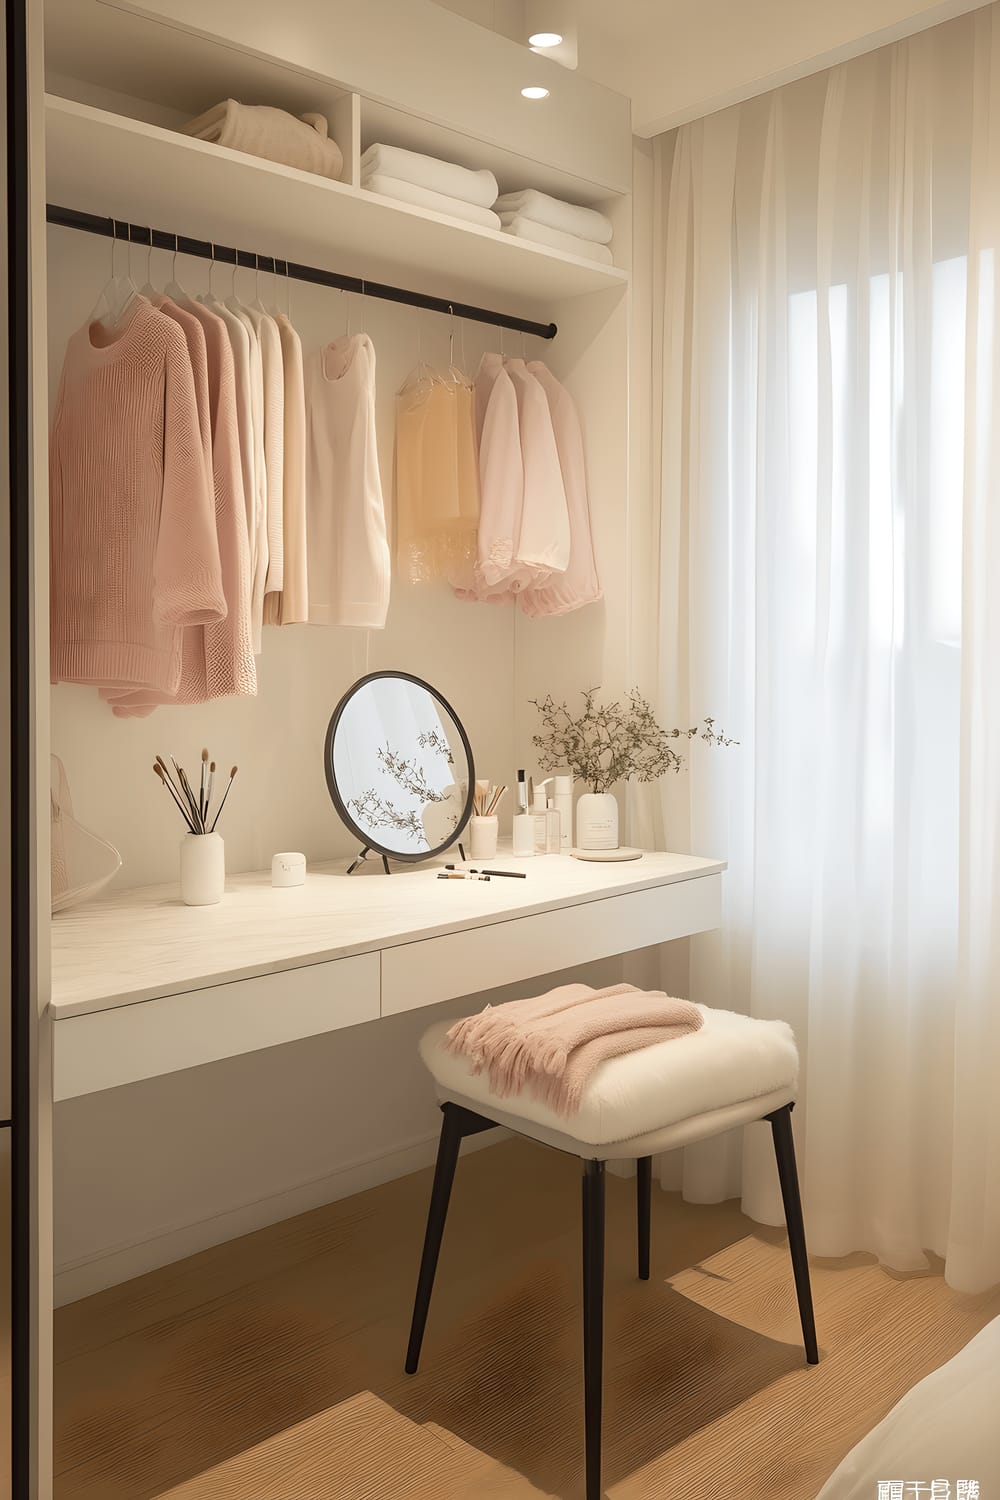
22,1017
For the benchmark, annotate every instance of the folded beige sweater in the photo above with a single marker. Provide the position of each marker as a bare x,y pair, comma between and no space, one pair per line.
552,1043
273,134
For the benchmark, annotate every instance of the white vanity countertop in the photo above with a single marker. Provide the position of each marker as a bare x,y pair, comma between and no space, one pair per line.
143,943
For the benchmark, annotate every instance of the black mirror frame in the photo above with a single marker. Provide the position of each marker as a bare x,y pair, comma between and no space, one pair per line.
337,800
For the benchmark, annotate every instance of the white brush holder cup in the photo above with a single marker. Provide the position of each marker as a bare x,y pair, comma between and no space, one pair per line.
483,837
203,869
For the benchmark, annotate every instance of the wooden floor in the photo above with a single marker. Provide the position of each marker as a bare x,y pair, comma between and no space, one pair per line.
270,1368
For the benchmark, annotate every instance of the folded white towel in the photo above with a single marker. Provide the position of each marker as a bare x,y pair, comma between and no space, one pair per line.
427,171
570,244
259,130
587,223
409,192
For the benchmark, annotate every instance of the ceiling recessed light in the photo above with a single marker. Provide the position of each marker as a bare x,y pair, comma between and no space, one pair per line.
545,39
535,93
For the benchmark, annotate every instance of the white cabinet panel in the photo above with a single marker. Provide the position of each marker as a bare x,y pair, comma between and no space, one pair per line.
112,1047
464,963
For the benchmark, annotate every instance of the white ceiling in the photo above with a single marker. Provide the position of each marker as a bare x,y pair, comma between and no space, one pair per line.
680,59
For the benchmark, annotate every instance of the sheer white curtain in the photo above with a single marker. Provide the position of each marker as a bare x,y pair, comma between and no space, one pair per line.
828,383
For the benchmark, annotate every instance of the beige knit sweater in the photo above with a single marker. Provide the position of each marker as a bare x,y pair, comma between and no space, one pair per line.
134,553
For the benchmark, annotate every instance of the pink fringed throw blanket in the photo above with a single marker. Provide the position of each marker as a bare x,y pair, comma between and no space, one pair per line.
552,1043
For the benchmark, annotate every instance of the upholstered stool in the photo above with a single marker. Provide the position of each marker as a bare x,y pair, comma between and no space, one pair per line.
732,1071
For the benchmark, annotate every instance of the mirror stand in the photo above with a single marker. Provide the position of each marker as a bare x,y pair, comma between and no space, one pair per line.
355,864
361,859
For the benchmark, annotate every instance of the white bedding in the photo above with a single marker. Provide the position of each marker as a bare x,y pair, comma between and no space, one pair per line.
445,177
947,1427
410,192
571,218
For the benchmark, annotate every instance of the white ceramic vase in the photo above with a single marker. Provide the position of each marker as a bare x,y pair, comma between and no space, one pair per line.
203,869
597,821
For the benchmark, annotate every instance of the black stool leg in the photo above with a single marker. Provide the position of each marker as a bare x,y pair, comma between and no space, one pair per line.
593,1319
784,1151
643,1204
455,1123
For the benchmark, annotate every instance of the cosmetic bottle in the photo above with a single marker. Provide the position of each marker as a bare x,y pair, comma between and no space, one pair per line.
539,821
524,823
553,828
563,799
546,832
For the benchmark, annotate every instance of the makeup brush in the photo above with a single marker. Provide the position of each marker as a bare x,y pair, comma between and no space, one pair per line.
232,778
211,784
498,796
159,771
201,794
186,789
180,788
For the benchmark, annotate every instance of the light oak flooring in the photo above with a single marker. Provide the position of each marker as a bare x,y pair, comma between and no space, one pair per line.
270,1368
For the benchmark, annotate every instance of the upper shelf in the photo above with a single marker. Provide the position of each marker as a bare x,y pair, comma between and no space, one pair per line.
110,164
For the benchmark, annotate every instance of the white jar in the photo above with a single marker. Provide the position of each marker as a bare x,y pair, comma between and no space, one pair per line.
483,837
288,869
203,869
597,821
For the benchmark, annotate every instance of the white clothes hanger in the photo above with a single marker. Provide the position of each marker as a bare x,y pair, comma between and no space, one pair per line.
118,293
257,305
210,297
173,289
148,290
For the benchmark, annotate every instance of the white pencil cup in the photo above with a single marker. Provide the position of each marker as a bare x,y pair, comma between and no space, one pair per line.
483,837
203,869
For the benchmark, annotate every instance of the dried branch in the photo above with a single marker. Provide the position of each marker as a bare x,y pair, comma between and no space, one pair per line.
611,742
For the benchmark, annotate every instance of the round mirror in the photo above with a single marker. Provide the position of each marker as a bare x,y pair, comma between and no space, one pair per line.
399,766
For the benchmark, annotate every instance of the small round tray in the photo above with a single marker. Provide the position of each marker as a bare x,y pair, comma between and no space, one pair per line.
606,856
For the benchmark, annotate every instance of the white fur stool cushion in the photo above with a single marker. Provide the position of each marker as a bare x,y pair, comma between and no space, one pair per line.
732,1070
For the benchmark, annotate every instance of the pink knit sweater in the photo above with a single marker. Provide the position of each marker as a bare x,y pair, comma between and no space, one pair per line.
134,553
217,660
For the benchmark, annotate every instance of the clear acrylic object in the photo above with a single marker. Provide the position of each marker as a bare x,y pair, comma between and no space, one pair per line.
82,862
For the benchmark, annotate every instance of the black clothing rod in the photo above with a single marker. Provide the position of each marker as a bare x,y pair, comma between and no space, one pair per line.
138,234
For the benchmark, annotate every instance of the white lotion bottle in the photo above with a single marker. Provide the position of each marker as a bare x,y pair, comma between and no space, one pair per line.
563,799
524,822
539,815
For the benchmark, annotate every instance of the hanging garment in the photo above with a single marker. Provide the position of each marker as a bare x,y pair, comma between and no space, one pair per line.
239,348
217,660
261,556
579,585
292,606
134,554
273,389
437,479
501,484
543,542
348,551
249,384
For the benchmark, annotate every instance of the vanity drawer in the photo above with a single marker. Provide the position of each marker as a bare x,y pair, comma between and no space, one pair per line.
110,1047
481,958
